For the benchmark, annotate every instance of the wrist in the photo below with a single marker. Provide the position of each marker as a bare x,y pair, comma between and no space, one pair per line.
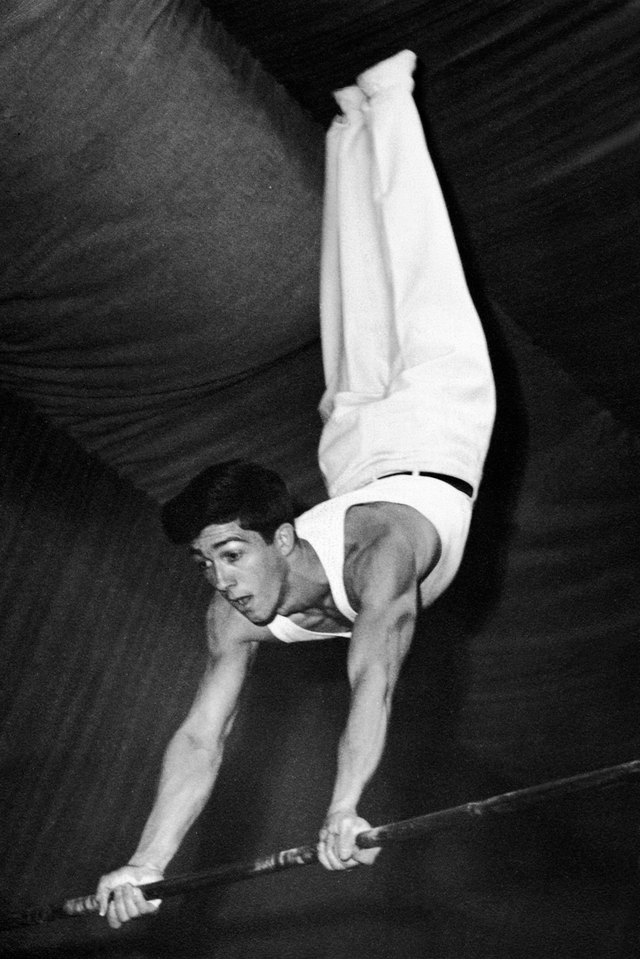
146,863
341,808
345,800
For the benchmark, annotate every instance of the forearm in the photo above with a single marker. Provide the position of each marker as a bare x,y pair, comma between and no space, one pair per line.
362,742
189,772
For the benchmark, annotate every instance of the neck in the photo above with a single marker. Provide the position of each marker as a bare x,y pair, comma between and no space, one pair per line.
307,583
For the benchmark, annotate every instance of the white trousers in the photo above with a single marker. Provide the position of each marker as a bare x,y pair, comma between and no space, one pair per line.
408,378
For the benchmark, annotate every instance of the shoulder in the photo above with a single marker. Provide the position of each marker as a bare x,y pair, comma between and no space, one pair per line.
228,630
389,549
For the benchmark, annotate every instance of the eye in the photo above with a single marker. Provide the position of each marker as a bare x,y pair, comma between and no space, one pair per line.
231,555
202,562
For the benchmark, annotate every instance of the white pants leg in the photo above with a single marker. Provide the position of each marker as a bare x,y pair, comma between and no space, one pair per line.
409,382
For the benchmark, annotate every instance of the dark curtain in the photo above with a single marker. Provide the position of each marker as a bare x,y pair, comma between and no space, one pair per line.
160,217
159,230
161,194
533,115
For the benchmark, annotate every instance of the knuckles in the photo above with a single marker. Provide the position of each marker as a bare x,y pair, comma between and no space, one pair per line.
337,847
121,899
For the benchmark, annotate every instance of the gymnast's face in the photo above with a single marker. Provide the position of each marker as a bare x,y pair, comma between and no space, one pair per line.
249,572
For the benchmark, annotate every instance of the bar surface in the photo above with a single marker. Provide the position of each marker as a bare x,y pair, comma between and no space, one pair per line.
401,831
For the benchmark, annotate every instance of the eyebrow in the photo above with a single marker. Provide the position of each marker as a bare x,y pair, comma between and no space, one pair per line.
219,543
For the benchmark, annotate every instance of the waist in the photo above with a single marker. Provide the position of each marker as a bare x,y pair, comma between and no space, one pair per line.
460,485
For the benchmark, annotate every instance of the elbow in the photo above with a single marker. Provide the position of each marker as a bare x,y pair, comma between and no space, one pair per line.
375,682
198,744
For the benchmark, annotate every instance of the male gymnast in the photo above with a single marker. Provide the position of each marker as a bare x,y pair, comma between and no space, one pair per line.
408,411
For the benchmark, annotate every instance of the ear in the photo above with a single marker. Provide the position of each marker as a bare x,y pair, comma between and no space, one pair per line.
285,538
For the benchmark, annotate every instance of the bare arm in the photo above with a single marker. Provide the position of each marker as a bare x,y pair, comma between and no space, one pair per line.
380,641
193,757
190,766
386,579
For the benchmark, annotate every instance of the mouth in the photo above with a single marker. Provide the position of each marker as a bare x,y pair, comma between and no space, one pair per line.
240,603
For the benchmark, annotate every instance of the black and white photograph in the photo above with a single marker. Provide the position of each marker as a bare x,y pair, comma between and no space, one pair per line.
319,479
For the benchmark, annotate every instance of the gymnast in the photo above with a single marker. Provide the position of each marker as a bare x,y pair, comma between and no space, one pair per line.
408,412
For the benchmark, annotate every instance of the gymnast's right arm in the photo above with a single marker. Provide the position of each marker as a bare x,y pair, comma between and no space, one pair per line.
190,767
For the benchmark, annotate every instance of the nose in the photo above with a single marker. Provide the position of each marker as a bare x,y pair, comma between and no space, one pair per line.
223,579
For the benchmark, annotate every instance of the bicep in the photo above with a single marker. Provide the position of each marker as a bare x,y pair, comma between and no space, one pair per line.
386,582
217,697
229,658
382,635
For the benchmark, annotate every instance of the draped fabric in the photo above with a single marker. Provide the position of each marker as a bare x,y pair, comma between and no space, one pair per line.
525,669
160,198
160,224
535,117
89,597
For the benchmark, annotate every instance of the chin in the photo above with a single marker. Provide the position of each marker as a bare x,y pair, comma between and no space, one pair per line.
257,620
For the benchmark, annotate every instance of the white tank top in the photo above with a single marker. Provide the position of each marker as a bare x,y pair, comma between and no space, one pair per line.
323,527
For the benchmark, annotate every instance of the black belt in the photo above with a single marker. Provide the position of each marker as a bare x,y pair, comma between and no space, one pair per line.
460,485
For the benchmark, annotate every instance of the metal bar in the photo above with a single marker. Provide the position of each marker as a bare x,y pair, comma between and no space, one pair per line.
510,802
404,830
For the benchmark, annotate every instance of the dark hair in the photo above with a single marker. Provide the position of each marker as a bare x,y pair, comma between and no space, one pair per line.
257,498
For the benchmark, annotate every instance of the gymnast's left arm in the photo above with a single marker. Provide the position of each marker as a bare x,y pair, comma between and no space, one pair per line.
381,638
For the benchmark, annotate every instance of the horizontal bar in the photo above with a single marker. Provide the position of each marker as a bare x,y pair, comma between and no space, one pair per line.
401,831
510,802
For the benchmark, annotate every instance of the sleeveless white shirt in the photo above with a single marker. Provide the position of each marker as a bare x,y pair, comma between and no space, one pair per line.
448,509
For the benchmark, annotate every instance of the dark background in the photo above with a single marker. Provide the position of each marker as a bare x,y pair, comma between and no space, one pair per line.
160,217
